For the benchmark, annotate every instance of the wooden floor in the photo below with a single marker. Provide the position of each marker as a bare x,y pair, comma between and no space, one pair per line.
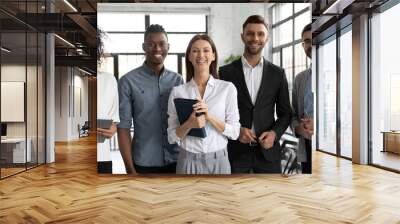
70,191
10,171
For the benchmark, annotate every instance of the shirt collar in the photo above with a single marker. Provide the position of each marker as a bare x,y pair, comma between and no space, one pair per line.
210,82
148,70
246,63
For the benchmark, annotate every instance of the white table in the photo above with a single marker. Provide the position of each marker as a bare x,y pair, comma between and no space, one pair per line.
18,149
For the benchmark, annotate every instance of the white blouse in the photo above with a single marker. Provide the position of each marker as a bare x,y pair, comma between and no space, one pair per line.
107,108
221,99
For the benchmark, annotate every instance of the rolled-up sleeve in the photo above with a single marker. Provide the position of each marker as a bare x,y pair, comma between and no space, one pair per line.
125,104
115,103
173,122
232,124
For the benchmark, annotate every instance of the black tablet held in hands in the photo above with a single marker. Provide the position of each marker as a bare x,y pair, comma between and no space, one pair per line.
105,124
184,107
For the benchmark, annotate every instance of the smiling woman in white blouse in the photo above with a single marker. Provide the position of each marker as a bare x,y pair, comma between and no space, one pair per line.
217,100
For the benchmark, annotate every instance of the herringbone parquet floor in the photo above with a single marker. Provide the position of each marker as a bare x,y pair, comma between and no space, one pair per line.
70,191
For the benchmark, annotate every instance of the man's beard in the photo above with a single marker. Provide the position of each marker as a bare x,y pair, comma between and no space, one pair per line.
253,52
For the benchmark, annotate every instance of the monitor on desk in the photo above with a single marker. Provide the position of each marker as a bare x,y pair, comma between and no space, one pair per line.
3,130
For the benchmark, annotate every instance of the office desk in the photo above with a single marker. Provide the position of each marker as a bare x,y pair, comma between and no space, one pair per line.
13,150
391,141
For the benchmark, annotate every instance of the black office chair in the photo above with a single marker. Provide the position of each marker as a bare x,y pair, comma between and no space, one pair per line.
289,163
84,130
289,158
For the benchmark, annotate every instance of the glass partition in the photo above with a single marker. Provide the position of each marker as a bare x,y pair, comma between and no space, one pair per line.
22,64
13,105
41,106
31,98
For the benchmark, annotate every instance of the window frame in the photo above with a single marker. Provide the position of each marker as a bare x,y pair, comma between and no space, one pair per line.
334,37
294,42
147,24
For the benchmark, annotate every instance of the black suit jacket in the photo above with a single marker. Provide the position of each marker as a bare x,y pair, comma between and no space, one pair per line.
273,93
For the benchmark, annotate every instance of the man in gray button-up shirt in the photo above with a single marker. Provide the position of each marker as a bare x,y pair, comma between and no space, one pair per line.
303,108
143,94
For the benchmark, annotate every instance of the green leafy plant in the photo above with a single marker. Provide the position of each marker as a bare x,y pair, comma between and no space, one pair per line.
231,58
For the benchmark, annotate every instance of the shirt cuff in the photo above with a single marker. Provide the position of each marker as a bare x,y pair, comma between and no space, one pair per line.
124,125
173,138
232,132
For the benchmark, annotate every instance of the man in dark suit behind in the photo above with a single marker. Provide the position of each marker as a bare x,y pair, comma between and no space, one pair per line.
262,88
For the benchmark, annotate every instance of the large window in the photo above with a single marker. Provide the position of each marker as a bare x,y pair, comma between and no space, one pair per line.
327,96
334,93
288,20
287,64
385,89
123,43
345,41
112,22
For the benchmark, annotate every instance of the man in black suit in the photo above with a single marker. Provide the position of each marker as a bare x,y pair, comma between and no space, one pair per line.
262,90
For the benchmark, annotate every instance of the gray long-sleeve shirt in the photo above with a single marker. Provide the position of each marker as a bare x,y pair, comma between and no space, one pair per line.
143,99
298,95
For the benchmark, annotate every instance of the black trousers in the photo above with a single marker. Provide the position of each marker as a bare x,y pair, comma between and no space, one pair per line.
251,160
104,167
170,168
306,167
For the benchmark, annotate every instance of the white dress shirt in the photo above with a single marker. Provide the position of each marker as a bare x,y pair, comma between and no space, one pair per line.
253,77
221,99
107,108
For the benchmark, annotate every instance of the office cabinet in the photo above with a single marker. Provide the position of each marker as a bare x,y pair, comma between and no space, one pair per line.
13,151
391,142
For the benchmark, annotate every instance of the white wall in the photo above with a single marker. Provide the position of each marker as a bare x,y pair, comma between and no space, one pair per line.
33,125
80,83
68,81
15,73
224,23
61,111
12,73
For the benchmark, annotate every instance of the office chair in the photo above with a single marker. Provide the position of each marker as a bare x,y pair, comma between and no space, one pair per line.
84,130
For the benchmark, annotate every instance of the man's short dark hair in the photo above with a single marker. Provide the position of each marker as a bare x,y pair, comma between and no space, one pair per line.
306,29
255,19
154,28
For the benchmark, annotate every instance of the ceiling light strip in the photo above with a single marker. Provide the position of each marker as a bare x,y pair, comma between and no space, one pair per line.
70,5
64,40
86,72
5,49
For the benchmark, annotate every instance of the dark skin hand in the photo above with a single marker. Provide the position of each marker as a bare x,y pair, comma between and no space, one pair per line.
125,143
